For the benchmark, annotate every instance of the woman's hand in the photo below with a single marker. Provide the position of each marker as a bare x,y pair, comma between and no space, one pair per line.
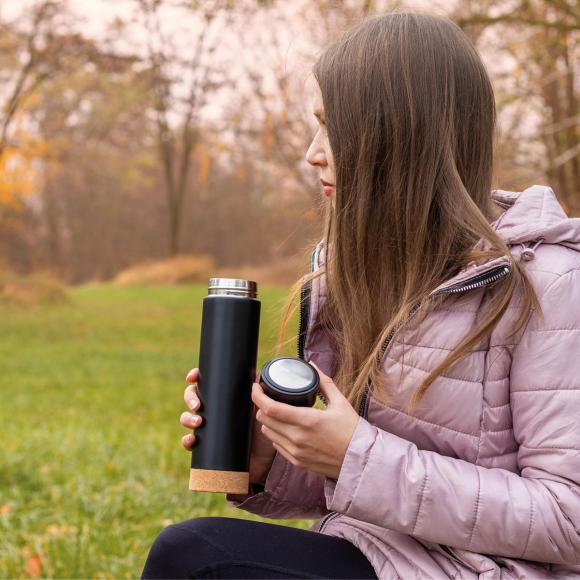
262,451
193,402
309,438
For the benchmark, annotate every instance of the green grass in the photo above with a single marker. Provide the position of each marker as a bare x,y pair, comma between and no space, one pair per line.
91,465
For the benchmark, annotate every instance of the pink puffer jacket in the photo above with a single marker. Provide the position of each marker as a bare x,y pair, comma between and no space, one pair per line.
484,480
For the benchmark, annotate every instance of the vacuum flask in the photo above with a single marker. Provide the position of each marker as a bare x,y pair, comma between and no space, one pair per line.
227,369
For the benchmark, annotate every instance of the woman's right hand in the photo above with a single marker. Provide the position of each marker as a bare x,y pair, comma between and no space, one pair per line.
262,451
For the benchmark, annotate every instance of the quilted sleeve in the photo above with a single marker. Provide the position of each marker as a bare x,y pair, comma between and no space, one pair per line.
534,515
289,491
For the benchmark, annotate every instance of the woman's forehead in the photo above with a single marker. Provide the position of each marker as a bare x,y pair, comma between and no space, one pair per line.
315,96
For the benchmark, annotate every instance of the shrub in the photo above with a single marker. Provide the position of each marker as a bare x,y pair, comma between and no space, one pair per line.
280,272
36,288
178,270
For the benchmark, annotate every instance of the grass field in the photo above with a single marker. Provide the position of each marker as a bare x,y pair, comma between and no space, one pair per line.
91,466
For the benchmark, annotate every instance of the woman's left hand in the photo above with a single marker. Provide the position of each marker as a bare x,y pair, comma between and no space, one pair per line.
309,438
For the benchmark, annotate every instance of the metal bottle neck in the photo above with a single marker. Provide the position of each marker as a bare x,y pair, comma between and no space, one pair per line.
233,287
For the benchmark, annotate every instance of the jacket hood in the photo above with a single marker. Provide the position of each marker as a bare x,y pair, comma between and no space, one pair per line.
531,217
535,214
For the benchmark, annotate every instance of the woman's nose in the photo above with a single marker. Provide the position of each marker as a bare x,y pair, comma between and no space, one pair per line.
315,155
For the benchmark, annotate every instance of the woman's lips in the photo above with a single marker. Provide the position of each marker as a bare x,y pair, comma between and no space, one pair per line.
328,188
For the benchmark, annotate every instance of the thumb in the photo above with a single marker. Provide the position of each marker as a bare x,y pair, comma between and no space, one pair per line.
327,386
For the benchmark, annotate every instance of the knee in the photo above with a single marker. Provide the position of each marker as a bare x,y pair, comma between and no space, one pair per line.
166,558
169,540
177,549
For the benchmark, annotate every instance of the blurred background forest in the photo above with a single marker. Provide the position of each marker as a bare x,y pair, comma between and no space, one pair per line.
173,133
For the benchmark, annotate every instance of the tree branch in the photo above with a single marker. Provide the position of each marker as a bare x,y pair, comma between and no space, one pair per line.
477,19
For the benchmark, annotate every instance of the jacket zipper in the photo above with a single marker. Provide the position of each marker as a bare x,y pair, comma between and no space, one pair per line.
305,309
478,281
304,316
305,296
305,293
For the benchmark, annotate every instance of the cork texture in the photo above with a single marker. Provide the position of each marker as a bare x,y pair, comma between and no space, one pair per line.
219,481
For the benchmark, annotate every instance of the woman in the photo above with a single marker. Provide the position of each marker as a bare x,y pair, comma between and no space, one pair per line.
444,319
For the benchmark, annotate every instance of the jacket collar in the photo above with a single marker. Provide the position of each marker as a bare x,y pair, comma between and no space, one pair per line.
531,215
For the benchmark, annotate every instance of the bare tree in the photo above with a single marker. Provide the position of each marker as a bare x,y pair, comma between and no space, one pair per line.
281,125
543,40
33,53
177,117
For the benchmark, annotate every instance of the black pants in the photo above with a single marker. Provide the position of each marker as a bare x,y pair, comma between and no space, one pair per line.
220,547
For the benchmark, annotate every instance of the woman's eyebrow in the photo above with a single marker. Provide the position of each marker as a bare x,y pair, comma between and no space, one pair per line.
319,114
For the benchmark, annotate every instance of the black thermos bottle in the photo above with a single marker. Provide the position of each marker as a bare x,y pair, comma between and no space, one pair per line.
227,369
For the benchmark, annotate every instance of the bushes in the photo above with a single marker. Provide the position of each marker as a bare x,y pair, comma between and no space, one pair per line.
199,269
171,271
279,272
37,288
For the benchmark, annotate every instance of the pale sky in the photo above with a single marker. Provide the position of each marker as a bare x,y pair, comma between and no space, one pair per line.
97,17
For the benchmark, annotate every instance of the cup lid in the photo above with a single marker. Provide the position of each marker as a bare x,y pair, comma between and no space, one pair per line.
290,375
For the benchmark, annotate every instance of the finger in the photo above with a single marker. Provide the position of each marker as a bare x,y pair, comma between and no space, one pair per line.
192,376
325,380
188,440
290,414
190,420
283,451
318,467
323,376
282,429
191,399
280,440
328,389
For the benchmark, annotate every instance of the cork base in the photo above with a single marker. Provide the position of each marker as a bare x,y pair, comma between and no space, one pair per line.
219,481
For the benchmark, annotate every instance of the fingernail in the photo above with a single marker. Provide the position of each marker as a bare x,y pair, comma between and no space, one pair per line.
195,419
193,404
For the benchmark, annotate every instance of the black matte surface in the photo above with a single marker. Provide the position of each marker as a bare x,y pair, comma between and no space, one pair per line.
227,366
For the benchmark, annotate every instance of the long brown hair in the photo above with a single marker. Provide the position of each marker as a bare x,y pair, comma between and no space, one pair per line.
410,116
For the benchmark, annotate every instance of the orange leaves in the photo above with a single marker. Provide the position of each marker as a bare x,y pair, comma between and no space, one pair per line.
19,174
202,155
33,565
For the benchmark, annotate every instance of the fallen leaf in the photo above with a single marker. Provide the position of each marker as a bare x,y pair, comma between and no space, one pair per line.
34,566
